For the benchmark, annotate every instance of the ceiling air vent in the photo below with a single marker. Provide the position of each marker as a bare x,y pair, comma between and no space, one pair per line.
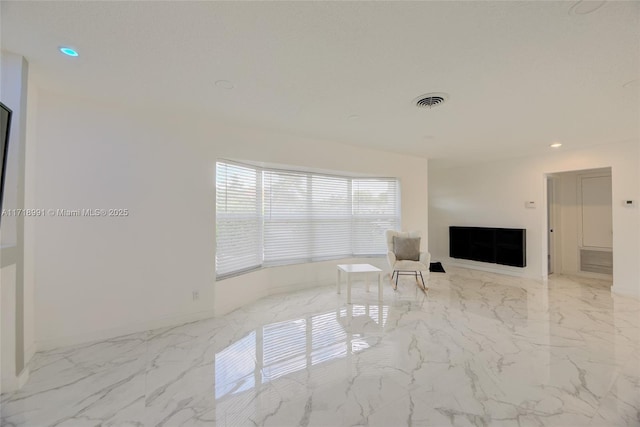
431,100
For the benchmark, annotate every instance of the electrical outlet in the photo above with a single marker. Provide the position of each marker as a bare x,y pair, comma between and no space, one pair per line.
196,295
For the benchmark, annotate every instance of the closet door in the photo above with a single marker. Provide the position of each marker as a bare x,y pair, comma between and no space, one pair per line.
596,212
596,232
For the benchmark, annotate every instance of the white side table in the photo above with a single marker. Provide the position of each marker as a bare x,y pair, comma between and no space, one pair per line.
366,269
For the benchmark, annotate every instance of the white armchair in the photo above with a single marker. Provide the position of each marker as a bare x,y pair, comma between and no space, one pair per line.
405,266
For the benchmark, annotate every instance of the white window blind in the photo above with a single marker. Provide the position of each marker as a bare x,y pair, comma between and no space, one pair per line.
331,216
306,217
273,217
238,218
376,208
287,217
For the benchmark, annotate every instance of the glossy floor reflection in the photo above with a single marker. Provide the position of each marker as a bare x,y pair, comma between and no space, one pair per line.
478,350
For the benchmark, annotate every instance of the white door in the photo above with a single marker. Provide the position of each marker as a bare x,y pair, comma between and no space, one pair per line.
596,231
596,212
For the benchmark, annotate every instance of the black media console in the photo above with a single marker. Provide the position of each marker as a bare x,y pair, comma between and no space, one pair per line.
506,246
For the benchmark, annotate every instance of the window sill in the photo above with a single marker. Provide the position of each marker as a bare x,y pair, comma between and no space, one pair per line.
222,277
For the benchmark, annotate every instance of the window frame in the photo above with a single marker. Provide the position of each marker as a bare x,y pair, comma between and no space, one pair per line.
314,219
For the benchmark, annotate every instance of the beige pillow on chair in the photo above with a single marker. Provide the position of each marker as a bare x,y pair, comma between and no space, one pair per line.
406,248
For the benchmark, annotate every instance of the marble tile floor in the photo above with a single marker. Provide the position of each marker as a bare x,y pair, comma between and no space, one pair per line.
478,349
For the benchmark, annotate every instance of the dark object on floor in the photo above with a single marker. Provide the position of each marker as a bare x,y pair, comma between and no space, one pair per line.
436,267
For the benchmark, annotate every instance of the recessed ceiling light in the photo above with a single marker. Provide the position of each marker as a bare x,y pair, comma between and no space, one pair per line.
68,51
584,7
224,84
556,145
354,117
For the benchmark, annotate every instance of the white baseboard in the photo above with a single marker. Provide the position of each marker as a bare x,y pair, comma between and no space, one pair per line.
9,385
52,343
23,377
626,292
506,270
29,353
299,286
589,275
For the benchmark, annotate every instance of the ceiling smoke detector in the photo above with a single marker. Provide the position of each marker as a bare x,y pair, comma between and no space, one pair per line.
431,100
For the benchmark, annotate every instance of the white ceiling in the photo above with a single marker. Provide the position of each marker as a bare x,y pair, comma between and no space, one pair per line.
520,75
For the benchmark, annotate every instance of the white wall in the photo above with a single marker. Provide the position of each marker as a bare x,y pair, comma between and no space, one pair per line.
15,308
98,277
493,194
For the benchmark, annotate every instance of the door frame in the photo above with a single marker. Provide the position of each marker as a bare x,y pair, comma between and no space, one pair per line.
556,251
552,225
551,244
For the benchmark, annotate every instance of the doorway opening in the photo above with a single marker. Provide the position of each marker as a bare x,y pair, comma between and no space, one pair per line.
579,223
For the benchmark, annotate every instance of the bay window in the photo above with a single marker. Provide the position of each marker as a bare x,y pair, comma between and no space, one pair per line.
268,216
